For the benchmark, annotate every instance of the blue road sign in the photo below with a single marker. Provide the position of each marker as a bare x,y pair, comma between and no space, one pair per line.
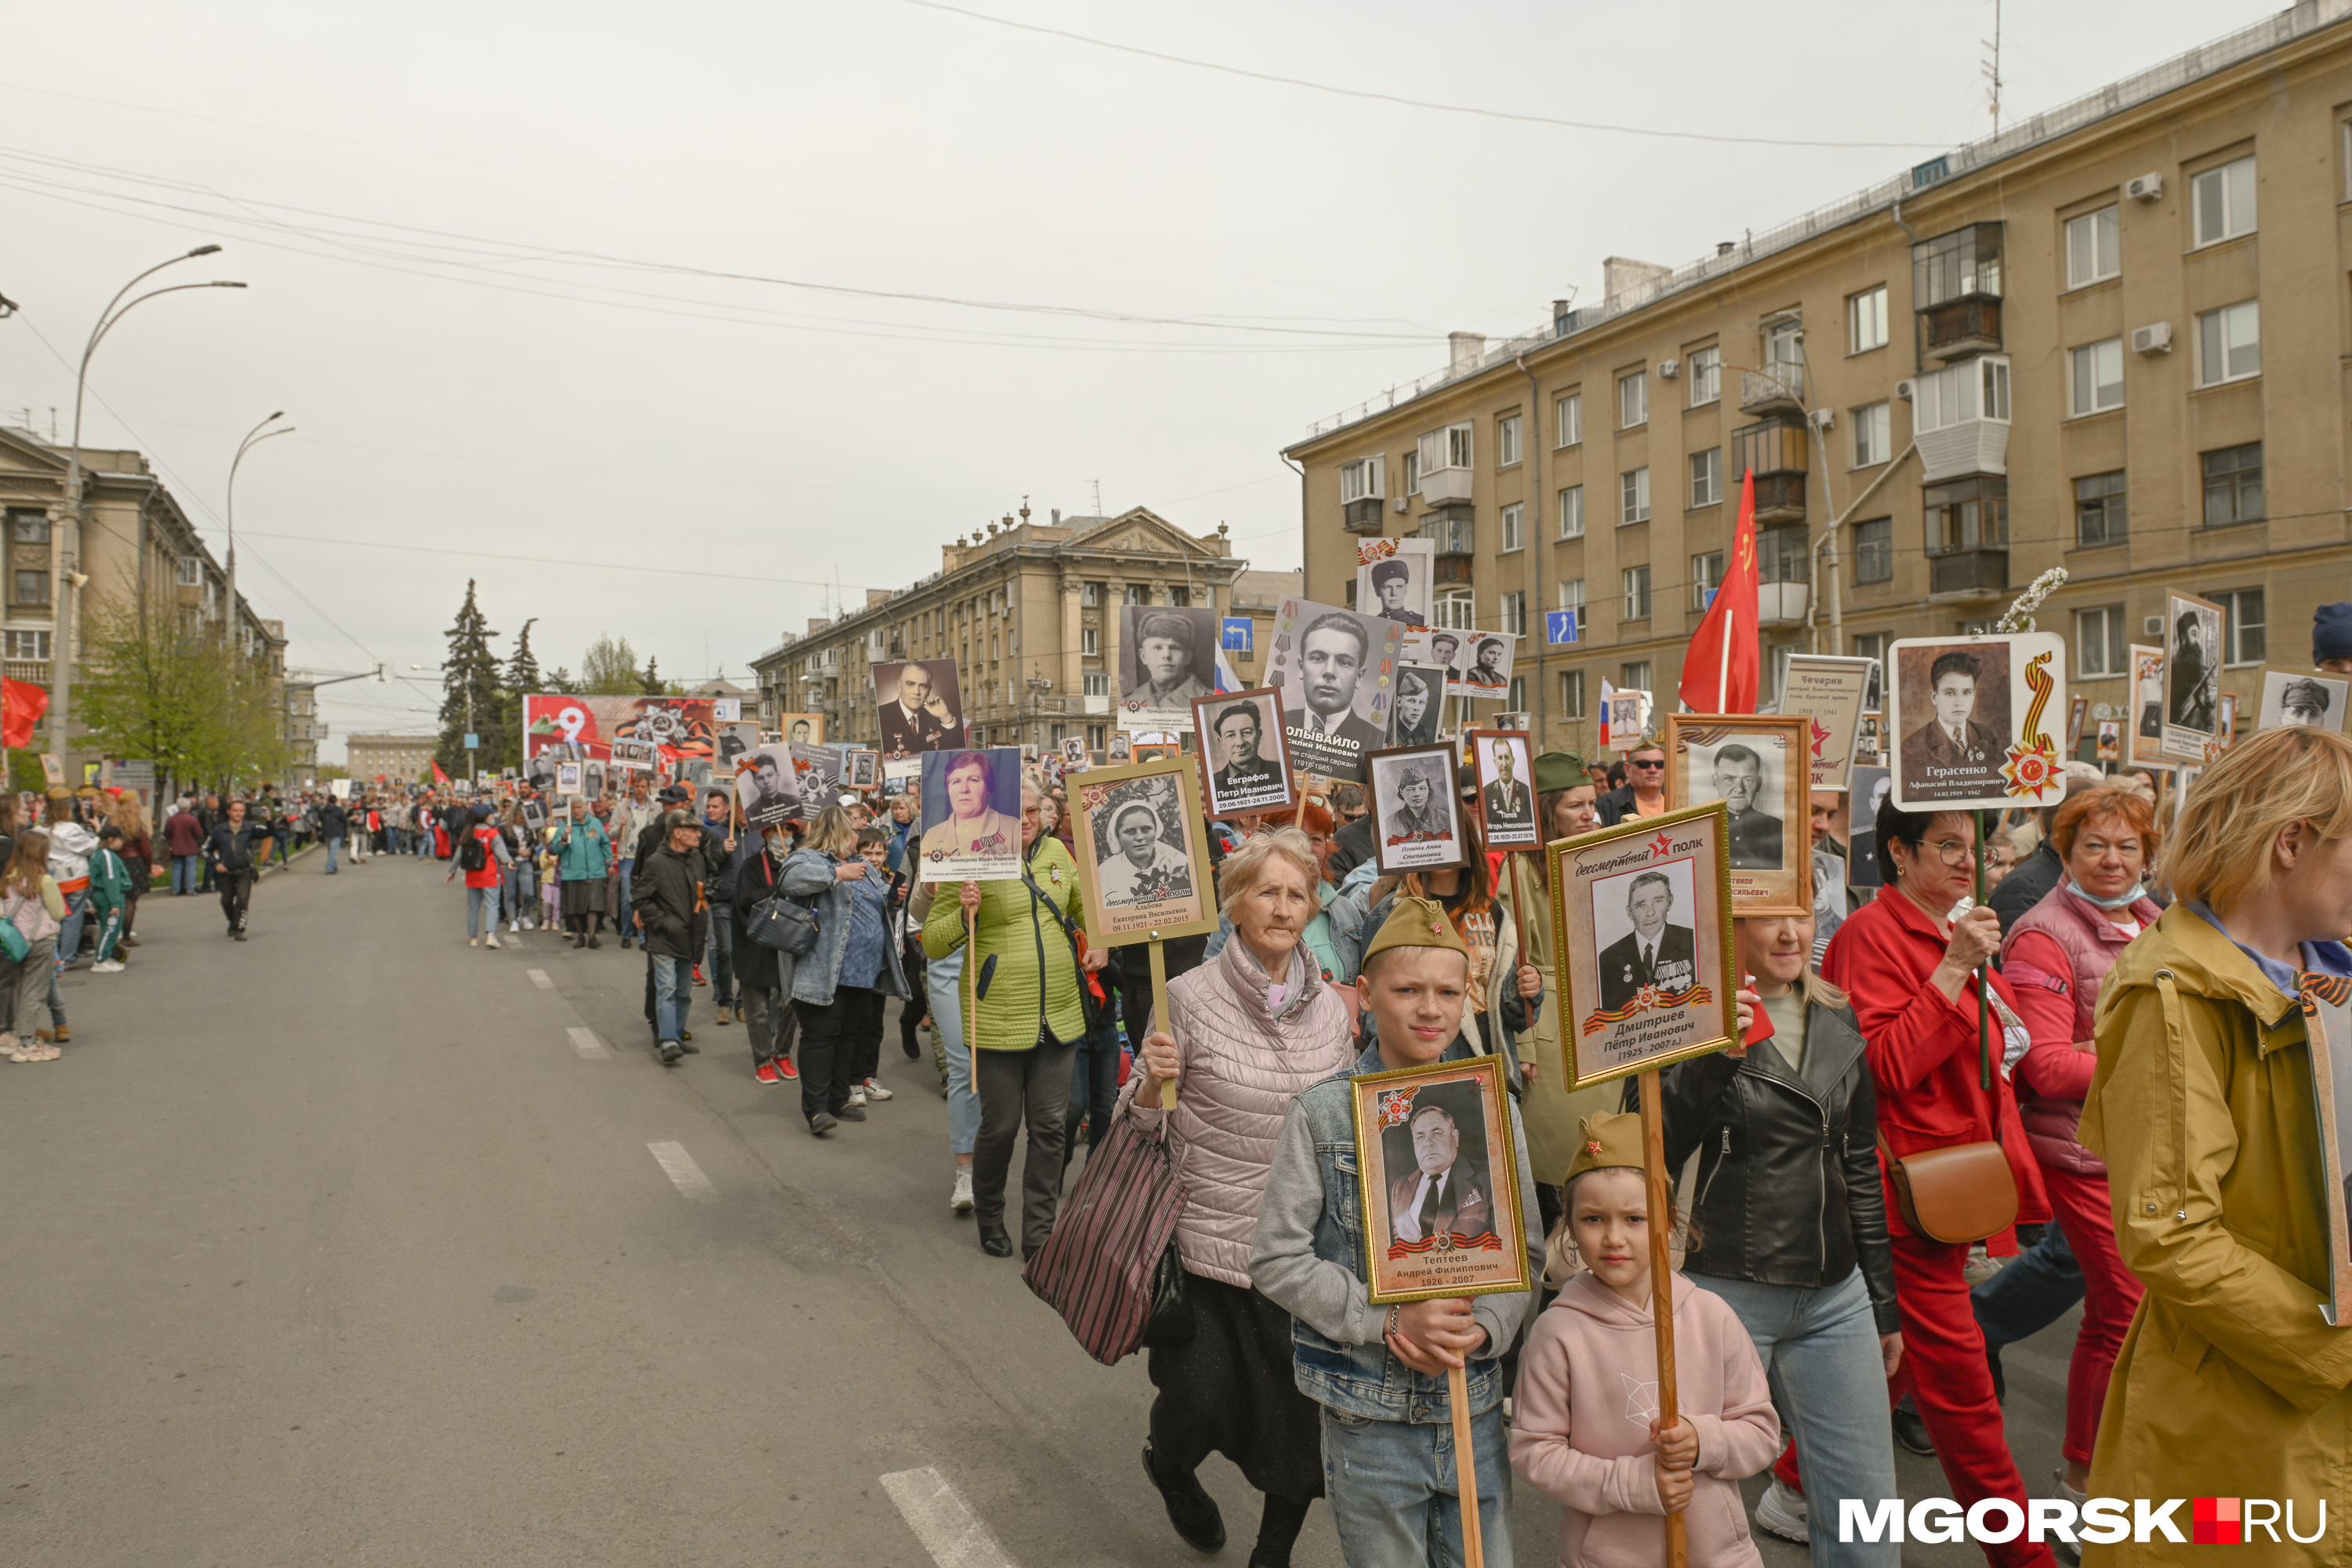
473,742
1559,627
1239,632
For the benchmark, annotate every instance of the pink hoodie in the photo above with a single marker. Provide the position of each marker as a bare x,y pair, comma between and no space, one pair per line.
1580,1424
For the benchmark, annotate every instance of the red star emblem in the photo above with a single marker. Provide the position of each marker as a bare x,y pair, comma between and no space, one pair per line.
1664,844
1820,735
1593,1147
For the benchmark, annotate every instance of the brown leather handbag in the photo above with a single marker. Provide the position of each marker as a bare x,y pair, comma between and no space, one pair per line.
1965,1192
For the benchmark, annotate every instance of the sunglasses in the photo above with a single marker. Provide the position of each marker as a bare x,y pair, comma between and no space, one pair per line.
1646,765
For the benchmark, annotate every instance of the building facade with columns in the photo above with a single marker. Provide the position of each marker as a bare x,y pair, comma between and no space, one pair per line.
392,759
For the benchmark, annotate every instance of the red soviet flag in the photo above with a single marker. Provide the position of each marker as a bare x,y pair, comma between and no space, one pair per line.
1720,667
438,776
22,703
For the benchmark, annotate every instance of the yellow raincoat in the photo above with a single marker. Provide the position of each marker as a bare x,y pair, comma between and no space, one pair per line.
2231,1385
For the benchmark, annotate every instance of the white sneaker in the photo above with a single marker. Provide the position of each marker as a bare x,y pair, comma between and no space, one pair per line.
514,925
1782,1512
111,966
874,1090
473,941
960,1199
491,939
857,1094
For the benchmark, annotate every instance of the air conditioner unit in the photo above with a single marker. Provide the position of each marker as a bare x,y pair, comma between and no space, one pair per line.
2156,338
1400,504
2145,188
1669,368
1906,390
1822,419
2151,626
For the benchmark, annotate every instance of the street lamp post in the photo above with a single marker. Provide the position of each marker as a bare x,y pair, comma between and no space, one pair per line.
252,438
65,553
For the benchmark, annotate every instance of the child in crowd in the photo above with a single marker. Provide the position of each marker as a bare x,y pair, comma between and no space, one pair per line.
109,896
873,896
1585,1426
551,891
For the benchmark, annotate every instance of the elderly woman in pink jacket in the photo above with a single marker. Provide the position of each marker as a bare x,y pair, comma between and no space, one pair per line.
1247,1031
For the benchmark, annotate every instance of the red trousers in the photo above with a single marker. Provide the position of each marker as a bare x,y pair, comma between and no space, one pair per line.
2110,1295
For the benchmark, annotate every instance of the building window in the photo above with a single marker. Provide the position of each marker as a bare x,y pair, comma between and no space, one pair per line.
2233,485
1968,514
1634,677
1637,592
2225,200
1453,609
1361,479
1707,576
1091,641
1097,683
32,588
188,571
1571,598
2099,515
2230,343
2099,642
1780,553
1568,419
1412,473
1874,550
1873,433
1094,737
1181,596
1632,400
29,527
2097,373
1634,496
1514,526
1516,701
2093,248
1705,376
1139,593
1507,441
29,645
1957,266
1515,614
1572,694
1571,513
1974,389
1707,476
1865,320
1454,534
2242,625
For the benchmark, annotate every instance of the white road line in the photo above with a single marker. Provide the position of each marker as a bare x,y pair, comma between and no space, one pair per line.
683,1172
538,978
585,1042
942,1521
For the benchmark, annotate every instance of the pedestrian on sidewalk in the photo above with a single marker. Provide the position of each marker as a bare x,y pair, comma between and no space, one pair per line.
838,985
763,974
109,897
673,907
70,844
228,857
183,835
129,813
29,901
483,857
719,843
334,825
585,858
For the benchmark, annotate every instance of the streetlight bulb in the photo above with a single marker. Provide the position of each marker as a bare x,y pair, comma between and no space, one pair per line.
204,250
219,283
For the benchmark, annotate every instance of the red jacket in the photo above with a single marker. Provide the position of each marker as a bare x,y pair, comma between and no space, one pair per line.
491,872
1922,1048
183,832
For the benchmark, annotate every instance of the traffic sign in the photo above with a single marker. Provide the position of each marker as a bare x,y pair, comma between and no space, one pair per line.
1559,627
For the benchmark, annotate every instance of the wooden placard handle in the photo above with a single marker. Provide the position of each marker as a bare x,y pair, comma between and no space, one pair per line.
1160,1012
970,999
1465,1468
1662,1279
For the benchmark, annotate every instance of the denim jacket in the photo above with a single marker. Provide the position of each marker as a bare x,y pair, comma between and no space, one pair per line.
1309,1252
808,880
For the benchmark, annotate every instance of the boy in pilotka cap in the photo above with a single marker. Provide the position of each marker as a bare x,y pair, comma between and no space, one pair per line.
1379,1373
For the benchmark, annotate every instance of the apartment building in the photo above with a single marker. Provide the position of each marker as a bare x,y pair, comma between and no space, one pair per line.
2045,349
1029,611
389,759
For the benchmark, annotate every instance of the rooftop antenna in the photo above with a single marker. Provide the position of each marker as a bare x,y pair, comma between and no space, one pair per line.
1992,67
1099,512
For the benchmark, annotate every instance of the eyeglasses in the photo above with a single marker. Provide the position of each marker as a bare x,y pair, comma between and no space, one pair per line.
1955,851
1639,763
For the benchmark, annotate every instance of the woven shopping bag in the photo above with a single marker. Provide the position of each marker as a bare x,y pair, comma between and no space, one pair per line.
1097,1269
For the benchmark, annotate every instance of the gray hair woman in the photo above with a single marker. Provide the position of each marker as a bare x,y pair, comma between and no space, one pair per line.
1246,1031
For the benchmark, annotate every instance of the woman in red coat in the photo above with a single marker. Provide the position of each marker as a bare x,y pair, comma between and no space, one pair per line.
1911,973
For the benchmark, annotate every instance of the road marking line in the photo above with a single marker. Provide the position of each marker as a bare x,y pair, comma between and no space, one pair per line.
683,1172
585,1042
538,978
942,1521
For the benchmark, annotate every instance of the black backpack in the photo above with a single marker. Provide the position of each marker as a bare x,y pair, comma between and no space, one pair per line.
472,855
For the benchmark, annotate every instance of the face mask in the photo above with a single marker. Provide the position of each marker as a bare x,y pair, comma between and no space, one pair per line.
2139,891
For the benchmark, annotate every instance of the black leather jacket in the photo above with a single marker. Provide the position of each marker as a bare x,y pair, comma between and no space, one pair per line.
1787,1191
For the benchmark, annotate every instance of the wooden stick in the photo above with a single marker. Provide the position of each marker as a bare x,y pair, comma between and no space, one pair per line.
1160,1012
1661,1277
970,999
1984,985
1465,1469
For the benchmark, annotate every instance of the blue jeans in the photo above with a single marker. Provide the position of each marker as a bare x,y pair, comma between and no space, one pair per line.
481,910
2032,1292
184,874
1390,1486
1819,1350
943,988
628,920
1093,1087
673,987
333,846
69,933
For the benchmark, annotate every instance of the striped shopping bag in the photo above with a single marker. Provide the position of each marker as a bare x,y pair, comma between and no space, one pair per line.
1096,1269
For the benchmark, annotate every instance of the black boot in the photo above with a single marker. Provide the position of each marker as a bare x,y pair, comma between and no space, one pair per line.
1909,1430
1190,1509
994,1241
1278,1531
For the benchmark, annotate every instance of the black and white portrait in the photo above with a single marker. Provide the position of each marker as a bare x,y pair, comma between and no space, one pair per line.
769,790
1336,669
592,780
1507,798
1484,670
1073,752
1137,832
1416,814
921,706
1643,922
1419,704
734,740
864,770
1954,703
1396,585
1242,741
1869,788
2192,675
2289,698
1167,657
1744,773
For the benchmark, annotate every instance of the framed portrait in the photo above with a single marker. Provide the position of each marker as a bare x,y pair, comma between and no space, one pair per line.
1642,923
2111,741
636,756
1507,797
568,780
1396,578
1830,692
2192,676
2229,734
767,787
1484,672
1242,751
1119,749
1416,815
534,812
864,770
1758,767
1143,852
2293,697
971,816
1336,671
818,772
1073,754
1153,750
1867,792
920,707
1420,705
1438,1172
2079,709
1972,721
2144,731
1869,750
1167,658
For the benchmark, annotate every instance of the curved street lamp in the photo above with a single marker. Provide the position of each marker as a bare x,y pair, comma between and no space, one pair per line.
253,438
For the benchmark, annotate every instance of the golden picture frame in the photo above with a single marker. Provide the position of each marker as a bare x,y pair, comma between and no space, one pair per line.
1764,763
1458,1230
1140,892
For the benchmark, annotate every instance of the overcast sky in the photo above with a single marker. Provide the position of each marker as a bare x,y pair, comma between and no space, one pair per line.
479,237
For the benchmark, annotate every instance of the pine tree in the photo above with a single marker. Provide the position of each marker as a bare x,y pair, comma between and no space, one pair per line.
558,680
521,679
653,675
470,691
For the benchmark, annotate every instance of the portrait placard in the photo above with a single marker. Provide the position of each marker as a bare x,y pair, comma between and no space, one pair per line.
2192,676
1869,745
1243,751
2294,697
1867,793
920,707
971,815
1336,671
2111,741
1758,767
1968,714
1167,658
592,780
534,812
1142,850
767,787
1420,705
636,756
1396,578
1416,816
568,777
1642,924
2079,709
1507,797
2144,734
2229,735
864,770
1484,672
1073,754
1829,691
808,729
1119,749
1438,1177
817,771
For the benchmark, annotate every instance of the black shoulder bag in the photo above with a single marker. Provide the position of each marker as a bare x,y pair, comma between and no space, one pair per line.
785,924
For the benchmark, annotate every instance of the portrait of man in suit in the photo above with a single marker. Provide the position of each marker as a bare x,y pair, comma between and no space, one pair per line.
1444,1195
917,719
1238,732
1507,799
1321,697
1739,776
769,789
1656,951
1951,748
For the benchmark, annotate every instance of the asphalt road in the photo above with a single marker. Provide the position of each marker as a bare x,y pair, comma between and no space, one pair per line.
353,1244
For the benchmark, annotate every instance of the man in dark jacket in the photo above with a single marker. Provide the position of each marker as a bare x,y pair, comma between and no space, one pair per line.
718,844
1644,790
334,824
668,895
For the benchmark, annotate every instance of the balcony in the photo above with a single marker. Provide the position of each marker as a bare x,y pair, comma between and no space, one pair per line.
1780,498
1774,389
34,670
1781,604
1979,573
1365,516
1454,566
1961,327
1441,485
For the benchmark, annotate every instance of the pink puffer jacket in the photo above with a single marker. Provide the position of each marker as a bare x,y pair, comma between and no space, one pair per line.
1241,1065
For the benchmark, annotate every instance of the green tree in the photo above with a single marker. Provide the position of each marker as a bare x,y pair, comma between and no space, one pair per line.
170,690
609,668
652,676
470,690
559,679
522,679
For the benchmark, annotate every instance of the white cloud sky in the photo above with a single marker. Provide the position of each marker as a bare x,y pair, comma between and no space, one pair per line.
516,399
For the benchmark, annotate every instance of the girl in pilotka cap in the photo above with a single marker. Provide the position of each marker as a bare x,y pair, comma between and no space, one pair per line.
1586,1426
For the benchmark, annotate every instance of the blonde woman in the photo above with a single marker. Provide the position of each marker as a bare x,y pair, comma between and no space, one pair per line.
30,902
838,985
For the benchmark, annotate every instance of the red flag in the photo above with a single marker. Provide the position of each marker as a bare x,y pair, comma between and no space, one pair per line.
22,703
438,776
1721,665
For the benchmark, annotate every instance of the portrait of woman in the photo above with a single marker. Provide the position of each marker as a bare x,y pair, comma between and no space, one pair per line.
1142,867
973,826
1487,665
